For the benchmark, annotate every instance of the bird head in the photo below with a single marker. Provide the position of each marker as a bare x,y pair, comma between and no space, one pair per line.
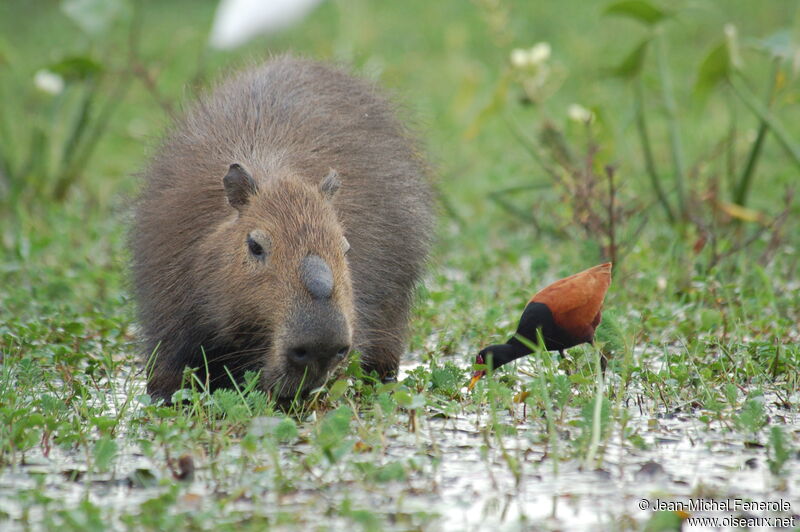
495,356
479,360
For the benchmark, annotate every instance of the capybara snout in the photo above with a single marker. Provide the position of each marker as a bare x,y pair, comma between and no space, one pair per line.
318,335
284,221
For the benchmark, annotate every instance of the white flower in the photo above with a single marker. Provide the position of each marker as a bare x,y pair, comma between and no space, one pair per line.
519,58
539,53
532,57
48,82
579,113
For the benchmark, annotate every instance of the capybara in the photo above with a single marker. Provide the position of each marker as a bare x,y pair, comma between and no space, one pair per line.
284,221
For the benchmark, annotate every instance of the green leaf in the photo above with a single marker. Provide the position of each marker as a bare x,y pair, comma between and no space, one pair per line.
447,379
631,66
640,10
731,394
94,16
587,412
715,68
184,394
409,401
752,416
103,423
283,429
143,478
75,328
332,432
286,430
337,389
386,402
611,333
33,419
391,472
764,114
779,451
76,68
104,452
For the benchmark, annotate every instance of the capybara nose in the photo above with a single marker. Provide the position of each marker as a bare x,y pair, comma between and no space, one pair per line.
310,353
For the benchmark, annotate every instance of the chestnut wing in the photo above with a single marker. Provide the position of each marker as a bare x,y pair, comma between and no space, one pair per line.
575,301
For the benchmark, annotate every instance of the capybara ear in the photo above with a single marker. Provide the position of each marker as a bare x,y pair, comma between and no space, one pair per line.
330,184
239,186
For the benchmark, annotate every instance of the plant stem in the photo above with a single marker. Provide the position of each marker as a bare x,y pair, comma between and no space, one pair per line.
552,432
596,414
529,146
6,149
79,161
498,197
672,120
79,127
449,208
647,151
750,100
730,143
740,194
611,213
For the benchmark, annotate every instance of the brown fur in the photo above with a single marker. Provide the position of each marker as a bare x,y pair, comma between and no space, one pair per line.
287,123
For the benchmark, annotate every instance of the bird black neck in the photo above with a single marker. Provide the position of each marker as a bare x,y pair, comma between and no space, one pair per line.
501,354
536,317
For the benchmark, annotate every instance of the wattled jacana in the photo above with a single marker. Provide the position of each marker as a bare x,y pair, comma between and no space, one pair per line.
567,312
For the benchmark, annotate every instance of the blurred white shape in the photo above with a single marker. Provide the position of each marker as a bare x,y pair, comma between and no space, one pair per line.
532,58
539,53
238,21
49,82
579,113
94,16
519,58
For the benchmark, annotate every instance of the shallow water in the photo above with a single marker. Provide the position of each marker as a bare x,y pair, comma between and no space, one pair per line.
693,462
460,479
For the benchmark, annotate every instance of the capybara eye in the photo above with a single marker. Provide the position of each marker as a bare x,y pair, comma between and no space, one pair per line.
259,243
255,248
345,245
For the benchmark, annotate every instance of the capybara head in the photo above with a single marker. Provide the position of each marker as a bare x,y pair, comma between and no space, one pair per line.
276,279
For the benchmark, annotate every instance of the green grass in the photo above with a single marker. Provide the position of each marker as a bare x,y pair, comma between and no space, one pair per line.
705,350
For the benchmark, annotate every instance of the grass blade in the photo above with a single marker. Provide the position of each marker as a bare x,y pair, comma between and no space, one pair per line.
760,110
672,121
647,152
78,162
743,187
594,443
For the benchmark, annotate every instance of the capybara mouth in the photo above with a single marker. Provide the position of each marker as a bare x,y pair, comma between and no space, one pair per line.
292,381
316,338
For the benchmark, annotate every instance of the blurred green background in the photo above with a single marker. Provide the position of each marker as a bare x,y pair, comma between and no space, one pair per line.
448,63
